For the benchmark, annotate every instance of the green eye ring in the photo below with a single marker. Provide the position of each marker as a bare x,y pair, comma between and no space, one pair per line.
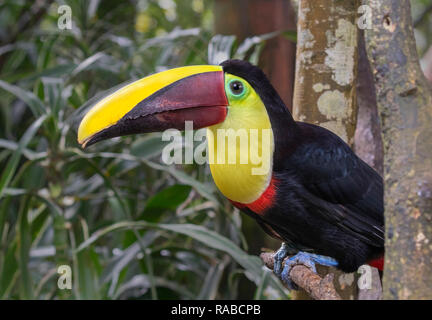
237,88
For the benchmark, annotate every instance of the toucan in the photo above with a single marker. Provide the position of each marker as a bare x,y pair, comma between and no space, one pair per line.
316,195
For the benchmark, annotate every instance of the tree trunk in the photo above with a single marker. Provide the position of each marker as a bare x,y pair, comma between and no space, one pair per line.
405,108
367,141
326,71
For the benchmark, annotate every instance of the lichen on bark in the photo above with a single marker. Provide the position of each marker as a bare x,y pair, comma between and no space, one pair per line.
326,66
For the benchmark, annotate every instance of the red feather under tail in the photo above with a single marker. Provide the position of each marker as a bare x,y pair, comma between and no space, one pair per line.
377,263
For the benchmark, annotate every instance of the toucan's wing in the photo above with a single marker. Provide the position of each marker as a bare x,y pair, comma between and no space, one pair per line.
348,191
275,231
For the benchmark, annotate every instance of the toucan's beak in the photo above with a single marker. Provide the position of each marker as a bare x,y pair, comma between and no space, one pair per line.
158,102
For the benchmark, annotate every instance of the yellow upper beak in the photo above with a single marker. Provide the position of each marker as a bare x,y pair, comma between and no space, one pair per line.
110,110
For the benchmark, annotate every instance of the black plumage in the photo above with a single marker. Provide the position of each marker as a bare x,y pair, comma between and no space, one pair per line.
327,198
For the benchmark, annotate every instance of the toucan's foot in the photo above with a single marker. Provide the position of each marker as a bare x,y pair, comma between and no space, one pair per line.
279,257
307,259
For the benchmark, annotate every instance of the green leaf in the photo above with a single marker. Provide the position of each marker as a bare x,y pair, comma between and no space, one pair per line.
87,63
251,42
87,277
9,270
259,293
34,103
220,48
29,154
169,198
148,146
252,264
114,268
206,190
55,72
212,281
213,240
24,245
290,35
16,156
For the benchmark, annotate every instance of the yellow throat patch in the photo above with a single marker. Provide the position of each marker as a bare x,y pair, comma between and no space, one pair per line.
241,148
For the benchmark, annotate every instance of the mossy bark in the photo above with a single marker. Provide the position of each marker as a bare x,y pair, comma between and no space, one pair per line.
405,108
325,86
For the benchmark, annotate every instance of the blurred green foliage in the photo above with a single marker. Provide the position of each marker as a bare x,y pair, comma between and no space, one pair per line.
422,19
127,225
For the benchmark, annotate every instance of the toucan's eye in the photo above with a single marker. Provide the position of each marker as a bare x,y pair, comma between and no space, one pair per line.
236,87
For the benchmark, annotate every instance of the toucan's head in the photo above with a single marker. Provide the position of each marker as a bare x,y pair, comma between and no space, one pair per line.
235,95
204,95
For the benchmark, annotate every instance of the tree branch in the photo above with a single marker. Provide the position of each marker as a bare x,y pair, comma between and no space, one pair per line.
317,287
